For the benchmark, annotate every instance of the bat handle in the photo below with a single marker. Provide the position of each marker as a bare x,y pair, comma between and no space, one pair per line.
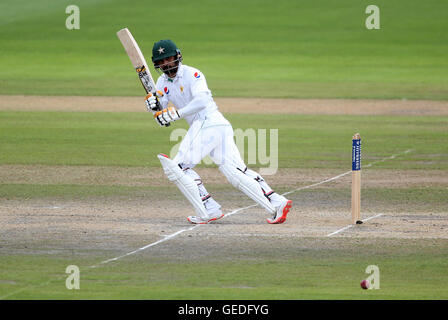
154,93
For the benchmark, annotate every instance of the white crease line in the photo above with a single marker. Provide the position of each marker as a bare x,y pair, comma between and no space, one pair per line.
317,183
167,237
370,218
238,210
340,230
352,225
387,158
148,246
234,212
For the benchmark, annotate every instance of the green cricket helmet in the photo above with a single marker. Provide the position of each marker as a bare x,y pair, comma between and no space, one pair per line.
164,49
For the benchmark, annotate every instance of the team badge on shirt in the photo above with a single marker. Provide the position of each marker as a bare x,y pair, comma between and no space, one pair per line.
197,75
166,90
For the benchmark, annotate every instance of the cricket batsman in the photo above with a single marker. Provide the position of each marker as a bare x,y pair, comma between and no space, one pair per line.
185,88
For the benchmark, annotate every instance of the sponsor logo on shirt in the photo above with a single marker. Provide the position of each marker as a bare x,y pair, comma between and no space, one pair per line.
166,90
197,75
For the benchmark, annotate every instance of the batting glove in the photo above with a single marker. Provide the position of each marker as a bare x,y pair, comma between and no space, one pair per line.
152,101
166,116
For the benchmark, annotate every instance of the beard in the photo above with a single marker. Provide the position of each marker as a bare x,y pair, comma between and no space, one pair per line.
170,71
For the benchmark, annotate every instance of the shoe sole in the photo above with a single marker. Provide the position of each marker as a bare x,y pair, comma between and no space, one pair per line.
205,222
284,214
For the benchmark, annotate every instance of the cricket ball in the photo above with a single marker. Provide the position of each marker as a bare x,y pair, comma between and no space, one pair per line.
365,284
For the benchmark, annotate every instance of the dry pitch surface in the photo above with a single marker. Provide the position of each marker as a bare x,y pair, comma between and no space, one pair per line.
114,226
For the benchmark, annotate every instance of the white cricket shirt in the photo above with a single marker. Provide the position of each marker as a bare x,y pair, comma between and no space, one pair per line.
187,85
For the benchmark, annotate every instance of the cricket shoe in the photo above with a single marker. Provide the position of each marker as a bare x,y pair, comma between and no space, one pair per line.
212,217
282,212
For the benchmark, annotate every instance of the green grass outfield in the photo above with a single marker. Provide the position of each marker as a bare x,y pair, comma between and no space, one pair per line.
305,141
247,48
412,273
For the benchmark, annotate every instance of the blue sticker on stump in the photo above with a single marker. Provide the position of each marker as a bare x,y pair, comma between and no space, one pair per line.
356,155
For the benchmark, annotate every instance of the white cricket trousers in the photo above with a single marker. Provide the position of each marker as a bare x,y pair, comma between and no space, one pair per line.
215,138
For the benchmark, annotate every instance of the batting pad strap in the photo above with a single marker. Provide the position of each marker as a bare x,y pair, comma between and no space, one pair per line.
186,184
268,194
247,185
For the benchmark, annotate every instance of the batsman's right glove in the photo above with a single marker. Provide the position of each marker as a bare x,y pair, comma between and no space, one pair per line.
165,116
152,101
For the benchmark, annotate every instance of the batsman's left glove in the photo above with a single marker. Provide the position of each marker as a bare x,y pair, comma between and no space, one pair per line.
166,116
152,101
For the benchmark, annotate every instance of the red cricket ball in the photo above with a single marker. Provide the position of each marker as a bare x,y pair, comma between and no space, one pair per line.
365,284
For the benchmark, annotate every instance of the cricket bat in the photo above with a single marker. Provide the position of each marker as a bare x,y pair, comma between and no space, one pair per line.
138,60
